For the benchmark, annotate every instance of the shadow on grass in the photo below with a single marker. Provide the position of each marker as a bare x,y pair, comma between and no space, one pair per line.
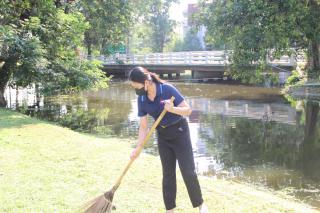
12,119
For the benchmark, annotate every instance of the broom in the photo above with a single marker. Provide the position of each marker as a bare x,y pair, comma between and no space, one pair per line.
103,203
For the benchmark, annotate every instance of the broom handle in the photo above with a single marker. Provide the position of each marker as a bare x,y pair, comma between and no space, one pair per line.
155,124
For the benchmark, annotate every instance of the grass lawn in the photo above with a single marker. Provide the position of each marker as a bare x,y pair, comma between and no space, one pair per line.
48,168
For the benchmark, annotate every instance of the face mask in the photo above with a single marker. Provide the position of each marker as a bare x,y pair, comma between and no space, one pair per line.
141,91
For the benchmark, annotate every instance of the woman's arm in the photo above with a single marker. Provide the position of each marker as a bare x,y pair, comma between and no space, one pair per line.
182,109
143,131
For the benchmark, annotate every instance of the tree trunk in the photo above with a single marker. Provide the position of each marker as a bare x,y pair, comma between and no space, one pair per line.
128,43
312,110
58,3
314,60
37,92
17,96
89,49
3,102
310,158
103,46
4,79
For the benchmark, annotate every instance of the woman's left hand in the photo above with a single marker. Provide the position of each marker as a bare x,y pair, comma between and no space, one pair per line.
168,105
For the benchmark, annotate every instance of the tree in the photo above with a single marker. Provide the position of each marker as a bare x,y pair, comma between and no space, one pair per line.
140,41
152,29
21,54
108,21
160,23
191,42
254,30
37,45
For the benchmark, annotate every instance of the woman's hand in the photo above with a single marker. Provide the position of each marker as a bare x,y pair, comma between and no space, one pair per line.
168,105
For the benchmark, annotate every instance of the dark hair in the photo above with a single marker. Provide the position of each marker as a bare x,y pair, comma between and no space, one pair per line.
141,74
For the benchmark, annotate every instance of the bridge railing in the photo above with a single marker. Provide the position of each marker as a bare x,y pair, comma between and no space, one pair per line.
184,58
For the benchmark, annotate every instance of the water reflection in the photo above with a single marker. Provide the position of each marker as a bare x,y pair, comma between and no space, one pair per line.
241,133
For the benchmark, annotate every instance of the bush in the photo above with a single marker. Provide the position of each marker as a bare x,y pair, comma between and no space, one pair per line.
293,78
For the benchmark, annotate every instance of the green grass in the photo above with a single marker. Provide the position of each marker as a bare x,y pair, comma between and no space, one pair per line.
48,168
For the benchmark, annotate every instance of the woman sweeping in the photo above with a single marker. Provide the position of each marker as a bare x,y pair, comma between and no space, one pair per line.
173,135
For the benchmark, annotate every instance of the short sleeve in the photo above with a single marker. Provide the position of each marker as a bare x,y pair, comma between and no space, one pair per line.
141,112
174,92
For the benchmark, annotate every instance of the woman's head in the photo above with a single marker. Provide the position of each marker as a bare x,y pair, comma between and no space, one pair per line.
139,75
140,79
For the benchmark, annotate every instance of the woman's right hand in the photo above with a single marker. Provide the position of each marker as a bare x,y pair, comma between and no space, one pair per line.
134,154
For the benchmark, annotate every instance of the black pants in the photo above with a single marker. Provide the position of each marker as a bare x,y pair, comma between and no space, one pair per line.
174,144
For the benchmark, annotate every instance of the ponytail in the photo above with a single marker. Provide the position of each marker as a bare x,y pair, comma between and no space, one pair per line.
141,74
156,78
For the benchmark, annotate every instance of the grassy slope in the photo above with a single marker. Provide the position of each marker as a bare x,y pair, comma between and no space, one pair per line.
47,168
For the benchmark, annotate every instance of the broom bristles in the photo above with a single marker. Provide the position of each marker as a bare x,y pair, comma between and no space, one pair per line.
101,204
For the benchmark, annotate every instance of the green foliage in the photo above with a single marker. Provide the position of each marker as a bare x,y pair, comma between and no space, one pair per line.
293,78
22,54
140,40
160,23
254,30
153,28
259,75
293,102
191,42
274,78
109,22
38,43
77,75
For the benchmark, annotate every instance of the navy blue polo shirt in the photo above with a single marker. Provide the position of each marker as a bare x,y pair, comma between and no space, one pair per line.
154,108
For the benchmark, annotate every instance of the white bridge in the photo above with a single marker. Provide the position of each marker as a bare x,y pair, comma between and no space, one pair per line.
204,65
184,58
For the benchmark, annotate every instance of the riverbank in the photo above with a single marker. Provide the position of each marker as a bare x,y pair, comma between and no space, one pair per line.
48,168
307,91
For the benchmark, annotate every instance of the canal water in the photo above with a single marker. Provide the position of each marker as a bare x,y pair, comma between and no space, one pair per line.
247,134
